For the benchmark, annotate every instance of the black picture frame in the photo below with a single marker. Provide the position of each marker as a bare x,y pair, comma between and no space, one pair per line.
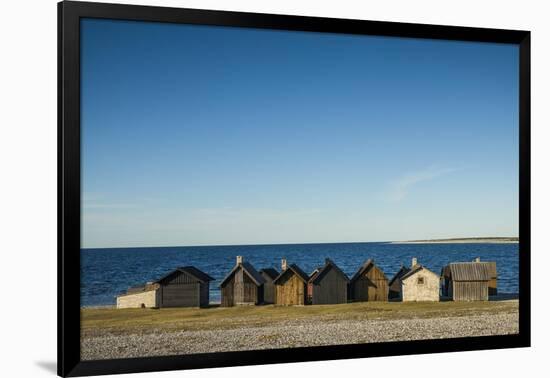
69,15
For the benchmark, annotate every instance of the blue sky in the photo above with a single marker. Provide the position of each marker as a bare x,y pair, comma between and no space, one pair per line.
201,135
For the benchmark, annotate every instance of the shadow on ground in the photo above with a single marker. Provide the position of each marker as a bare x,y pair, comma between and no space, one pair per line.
50,366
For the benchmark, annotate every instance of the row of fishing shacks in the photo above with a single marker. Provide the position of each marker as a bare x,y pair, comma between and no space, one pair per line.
328,284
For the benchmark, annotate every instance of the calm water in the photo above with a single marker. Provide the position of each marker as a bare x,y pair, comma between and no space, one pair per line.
108,272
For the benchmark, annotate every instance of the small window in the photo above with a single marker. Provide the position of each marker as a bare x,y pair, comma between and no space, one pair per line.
421,280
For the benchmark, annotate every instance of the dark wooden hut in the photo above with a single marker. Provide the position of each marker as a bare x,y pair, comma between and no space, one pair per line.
466,281
184,287
310,287
291,286
394,291
369,283
269,275
242,286
329,285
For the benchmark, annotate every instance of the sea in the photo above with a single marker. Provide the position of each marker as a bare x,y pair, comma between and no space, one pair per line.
107,272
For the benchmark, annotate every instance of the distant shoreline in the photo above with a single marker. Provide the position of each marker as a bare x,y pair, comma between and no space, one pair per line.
486,240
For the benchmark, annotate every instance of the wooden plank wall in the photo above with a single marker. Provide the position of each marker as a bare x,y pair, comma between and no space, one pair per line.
180,295
292,291
470,290
395,289
371,286
205,294
494,278
249,289
227,293
332,289
269,290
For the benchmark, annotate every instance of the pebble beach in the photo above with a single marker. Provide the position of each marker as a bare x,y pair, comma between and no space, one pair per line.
285,328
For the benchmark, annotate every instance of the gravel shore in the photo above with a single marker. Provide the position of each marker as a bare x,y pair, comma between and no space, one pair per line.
313,331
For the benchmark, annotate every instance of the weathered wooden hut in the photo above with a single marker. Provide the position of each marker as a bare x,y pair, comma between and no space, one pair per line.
242,286
183,287
329,285
291,285
369,283
269,275
394,291
310,287
492,275
466,281
419,284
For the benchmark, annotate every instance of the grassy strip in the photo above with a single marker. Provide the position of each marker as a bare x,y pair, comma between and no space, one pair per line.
123,321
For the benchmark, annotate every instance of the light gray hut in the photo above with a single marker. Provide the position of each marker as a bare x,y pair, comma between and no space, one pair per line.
418,284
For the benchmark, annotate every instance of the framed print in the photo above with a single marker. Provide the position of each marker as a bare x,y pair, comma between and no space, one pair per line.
239,188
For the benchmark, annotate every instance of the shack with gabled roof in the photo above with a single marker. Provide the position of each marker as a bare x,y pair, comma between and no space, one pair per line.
183,287
466,281
419,284
243,285
269,275
291,285
416,284
369,283
328,285
394,291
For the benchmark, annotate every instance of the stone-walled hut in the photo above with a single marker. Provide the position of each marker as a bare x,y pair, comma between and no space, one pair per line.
419,284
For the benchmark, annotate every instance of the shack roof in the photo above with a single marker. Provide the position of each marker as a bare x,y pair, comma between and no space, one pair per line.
198,274
270,272
470,271
140,289
415,269
400,273
294,269
249,270
329,264
363,268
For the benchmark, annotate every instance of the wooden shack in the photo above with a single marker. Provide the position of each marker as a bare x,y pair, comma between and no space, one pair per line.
243,285
269,275
369,283
492,275
466,281
183,287
419,284
329,285
394,291
291,285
